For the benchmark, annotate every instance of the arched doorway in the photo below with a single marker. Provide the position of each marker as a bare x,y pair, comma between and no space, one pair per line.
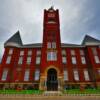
52,81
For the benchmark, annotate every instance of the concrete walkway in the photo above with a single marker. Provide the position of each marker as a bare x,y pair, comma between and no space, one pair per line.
31,97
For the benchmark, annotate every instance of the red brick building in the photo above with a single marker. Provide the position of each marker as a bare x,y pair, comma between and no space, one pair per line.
50,65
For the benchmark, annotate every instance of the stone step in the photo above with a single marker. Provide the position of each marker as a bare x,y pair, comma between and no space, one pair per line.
52,93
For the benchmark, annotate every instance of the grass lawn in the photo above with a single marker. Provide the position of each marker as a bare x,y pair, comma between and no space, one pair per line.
86,91
21,92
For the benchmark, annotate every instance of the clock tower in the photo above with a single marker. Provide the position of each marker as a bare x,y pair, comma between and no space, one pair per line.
51,49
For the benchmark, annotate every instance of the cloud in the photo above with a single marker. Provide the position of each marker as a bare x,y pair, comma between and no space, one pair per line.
77,17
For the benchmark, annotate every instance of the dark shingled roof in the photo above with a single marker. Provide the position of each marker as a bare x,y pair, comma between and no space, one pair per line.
15,38
89,39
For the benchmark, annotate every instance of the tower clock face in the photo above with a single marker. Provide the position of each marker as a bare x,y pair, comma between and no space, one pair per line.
51,15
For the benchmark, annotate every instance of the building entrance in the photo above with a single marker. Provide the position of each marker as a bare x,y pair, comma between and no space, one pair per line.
52,81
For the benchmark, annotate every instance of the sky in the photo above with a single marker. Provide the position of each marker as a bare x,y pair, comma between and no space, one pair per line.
77,18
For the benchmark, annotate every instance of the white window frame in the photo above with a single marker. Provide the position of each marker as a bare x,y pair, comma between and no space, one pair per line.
76,75
49,45
26,75
51,56
54,45
4,75
29,52
28,60
20,61
94,50
81,52
38,53
8,60
98,71
83,60
10,51
21,52
38,60
97,60
65,75
86,75
74,60
37,75
73,52
64,60
64,52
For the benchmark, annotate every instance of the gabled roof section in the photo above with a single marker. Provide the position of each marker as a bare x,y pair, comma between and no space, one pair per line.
14,40
88,40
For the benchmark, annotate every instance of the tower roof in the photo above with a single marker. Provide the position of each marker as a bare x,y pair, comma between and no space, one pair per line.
88,39
51,8
15,39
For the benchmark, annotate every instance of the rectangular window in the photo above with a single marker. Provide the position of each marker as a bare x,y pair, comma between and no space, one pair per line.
98,71
28,60
37,74
29,52
10,51
73,60
97,59
64,60
4,74
49,45
21,53
38,53
65,75
81,52
51,56
73,52
38,60
8,60
86,75
20,61
63,52
26,76
54,45
83,60
76,76
94,51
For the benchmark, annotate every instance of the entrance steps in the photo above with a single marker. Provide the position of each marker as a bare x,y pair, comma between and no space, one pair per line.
52,93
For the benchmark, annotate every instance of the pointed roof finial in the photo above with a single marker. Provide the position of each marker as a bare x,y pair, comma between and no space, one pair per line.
51,8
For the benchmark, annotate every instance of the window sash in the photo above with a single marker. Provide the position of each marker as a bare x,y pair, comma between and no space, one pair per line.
81,52
51,56
73,52
49,45
37,75
29,52
4,74
97,60
54,45
20,61
38,60
86,75
10,51
21,53
83,60
65,75
63,52
74,60
38,53
8,60
26,76
94,51
64,60
28,60
76,75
